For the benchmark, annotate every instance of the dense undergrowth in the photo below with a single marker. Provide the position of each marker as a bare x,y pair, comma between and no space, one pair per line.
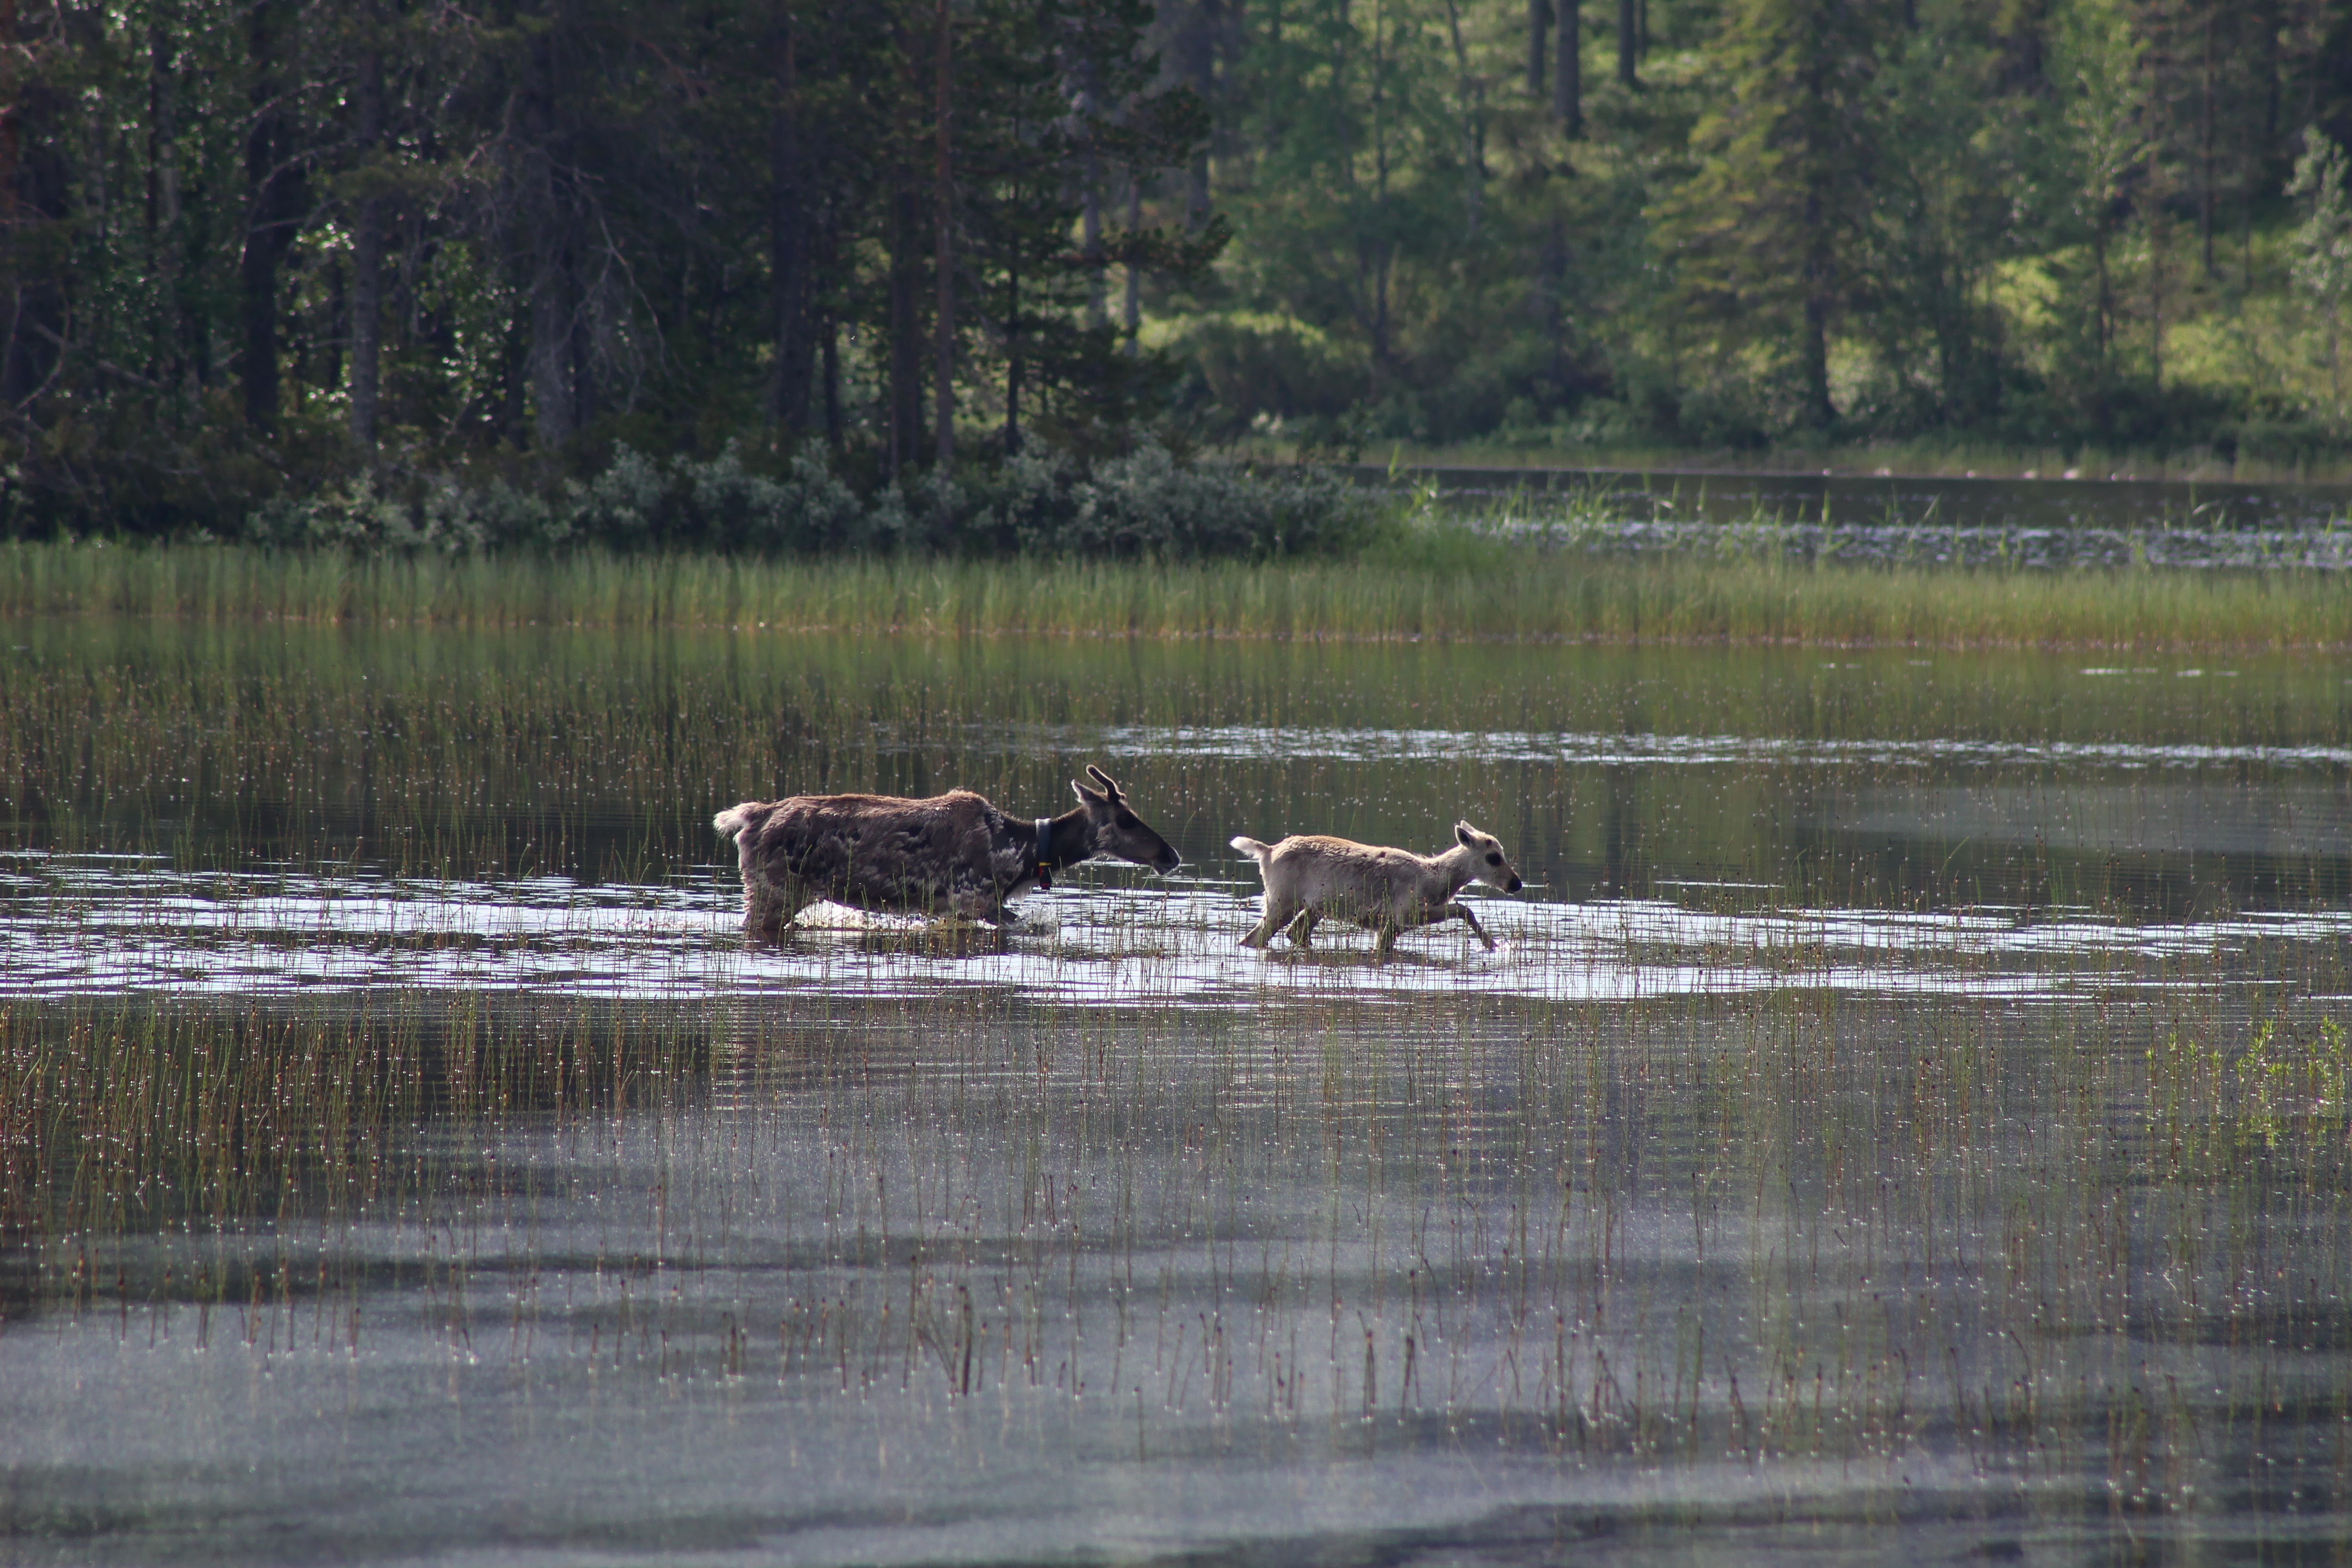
1145,502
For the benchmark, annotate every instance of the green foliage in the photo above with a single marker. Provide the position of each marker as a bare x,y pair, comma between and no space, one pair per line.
1145,503
2284,1092
1770,240
258,250
2322,248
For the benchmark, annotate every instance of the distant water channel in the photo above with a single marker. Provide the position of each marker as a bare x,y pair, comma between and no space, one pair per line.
1909,1110
2086,519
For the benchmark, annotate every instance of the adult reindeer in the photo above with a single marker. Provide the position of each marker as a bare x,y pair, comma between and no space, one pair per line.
954,853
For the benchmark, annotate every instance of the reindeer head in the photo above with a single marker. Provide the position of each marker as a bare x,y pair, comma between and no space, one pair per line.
1490,864
1113,829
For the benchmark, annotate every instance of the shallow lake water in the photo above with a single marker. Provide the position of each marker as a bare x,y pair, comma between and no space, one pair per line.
2082,520
1909,1109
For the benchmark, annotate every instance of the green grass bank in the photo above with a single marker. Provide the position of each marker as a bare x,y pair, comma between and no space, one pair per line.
1430,587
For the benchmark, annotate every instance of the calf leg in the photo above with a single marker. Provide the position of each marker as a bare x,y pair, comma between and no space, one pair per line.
1464,911
1389,930
1279,914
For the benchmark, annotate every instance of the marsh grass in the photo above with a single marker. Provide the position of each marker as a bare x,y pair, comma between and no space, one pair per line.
1442,584
1782,1230
242,754
168,1113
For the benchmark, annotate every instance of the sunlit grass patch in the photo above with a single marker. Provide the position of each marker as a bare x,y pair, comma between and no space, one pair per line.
1448,583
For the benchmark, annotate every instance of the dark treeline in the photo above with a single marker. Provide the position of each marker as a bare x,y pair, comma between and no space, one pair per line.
253,246
258,249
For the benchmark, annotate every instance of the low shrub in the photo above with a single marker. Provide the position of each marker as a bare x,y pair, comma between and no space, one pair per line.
1147,503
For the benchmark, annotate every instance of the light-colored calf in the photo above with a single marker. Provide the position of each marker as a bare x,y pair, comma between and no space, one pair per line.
1309,877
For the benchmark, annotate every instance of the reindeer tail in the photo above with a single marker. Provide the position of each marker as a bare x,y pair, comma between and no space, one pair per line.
1252,849
736,818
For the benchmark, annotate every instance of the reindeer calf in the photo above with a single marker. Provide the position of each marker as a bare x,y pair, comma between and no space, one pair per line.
1388,891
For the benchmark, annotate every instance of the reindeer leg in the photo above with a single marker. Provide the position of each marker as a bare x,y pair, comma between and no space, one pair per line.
1277,915
1302,929
1463,912
1384,942
767,911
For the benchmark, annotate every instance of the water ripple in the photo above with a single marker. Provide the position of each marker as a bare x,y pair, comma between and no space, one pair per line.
88,926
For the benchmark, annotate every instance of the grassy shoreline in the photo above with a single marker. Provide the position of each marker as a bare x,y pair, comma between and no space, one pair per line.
1444,590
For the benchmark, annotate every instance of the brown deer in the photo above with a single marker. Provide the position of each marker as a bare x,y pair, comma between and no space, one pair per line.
954,853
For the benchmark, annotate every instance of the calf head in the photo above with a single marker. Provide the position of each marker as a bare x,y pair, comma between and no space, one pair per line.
1491,866
1113,829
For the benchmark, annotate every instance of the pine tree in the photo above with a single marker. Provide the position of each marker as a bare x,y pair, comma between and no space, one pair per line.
1769,242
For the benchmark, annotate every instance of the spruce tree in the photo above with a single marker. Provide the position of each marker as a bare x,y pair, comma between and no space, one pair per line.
1769,243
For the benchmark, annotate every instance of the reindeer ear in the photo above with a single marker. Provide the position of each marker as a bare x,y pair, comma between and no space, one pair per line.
1086,796
1110,790
1467,833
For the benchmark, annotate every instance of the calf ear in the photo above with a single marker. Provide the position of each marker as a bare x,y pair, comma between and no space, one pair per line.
1467,834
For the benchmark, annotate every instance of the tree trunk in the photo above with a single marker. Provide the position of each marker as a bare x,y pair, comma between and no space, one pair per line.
168,329
943,372
548,222
905,327
791,218
1629,42
1090,220
1814,350
1134,315
1091,235
273,205
554,309
36,188
2266,22
1013,357
1553,268
1196,62
2205,151
832,349
367,243
1567,86
905,307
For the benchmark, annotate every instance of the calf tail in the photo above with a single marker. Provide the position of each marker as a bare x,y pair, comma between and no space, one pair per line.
1253,849
736,818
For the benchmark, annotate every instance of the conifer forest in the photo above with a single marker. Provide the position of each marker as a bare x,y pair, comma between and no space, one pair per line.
250,248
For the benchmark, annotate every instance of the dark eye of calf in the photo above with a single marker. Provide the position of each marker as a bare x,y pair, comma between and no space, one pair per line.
1494,859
